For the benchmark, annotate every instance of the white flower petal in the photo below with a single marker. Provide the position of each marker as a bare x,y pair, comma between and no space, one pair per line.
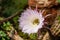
26,21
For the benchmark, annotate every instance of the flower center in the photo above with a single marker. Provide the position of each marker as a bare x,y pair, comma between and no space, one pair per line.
36,22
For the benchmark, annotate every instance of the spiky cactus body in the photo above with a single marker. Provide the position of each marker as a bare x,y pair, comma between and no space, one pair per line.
44,37
55,29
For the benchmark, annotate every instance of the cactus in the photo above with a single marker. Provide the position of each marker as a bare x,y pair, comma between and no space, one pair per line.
55,29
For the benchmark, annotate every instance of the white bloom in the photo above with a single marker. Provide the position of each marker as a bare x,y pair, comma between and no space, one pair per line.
30,21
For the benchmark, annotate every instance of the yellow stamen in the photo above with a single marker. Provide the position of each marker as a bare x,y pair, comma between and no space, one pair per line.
36,21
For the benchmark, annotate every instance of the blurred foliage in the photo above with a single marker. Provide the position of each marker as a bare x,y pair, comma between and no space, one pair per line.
59,1
1,18
58,18
15,19
28,37
15,22
23,35
33,36
3,36
6,26
12,6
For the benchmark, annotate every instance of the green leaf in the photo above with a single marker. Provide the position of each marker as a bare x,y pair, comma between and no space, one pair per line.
4,24
7,26
15,19
3,38
2,34
8,23
33,36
